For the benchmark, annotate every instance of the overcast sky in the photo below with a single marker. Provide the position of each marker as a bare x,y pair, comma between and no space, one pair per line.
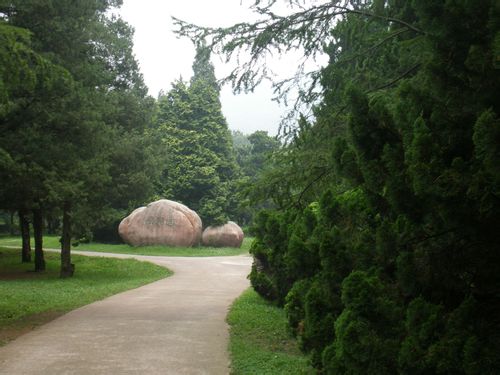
163,57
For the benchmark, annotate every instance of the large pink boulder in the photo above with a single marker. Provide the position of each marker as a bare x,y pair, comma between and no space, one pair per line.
227,235
163,222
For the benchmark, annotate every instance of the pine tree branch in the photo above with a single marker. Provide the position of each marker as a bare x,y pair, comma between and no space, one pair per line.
323,174
384,86
307,29
389,19
419,240
372,48
395,80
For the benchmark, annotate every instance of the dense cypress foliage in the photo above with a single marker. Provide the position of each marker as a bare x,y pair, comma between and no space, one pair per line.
200,167
384,246
395,267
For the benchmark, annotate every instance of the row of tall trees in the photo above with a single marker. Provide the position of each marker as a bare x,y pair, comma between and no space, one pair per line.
383,243
81,143
73,113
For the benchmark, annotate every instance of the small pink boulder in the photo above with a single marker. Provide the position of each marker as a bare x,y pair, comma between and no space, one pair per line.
227,235
163,222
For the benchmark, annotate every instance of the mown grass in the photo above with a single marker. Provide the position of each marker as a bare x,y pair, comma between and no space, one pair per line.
259,341
52,242
28,298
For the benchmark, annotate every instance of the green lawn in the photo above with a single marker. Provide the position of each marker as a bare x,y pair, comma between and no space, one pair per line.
259,341
28,298
52,242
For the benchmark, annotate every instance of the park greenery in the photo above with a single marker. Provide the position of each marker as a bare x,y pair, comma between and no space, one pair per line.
259,341
52,242
382,245
200,167
375,216
82,144
74,115
33,298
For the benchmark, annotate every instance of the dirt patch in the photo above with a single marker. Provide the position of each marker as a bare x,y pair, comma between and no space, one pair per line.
26,325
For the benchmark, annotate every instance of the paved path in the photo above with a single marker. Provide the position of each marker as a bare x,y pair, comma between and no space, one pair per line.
172,326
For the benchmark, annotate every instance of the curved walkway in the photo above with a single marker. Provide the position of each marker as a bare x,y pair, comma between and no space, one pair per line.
172,326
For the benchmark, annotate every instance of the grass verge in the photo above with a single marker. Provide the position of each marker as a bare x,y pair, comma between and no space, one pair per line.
259,341
29,299
52,242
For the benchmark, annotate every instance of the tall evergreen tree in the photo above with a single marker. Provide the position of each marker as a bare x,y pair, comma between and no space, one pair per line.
383,248
200,165
67,136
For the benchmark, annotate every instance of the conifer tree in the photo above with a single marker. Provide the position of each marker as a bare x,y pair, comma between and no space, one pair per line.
66,136
383,248
200,165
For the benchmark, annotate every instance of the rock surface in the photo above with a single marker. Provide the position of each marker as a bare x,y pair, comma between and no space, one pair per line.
227,235
163,222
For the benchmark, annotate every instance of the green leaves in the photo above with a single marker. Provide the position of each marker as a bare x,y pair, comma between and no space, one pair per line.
405,229
72,101
486,138
199,165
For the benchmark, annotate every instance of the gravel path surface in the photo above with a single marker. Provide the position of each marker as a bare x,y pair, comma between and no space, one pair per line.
172,326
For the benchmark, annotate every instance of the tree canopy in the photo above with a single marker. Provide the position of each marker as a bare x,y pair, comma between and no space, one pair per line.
378,232
252,152
72,97
382,247
200,167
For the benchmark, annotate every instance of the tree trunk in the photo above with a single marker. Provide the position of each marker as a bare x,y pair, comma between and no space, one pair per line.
11,231
52,225
24,224
67,268
38,232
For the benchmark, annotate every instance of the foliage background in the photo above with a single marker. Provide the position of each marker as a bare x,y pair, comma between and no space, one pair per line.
382,245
